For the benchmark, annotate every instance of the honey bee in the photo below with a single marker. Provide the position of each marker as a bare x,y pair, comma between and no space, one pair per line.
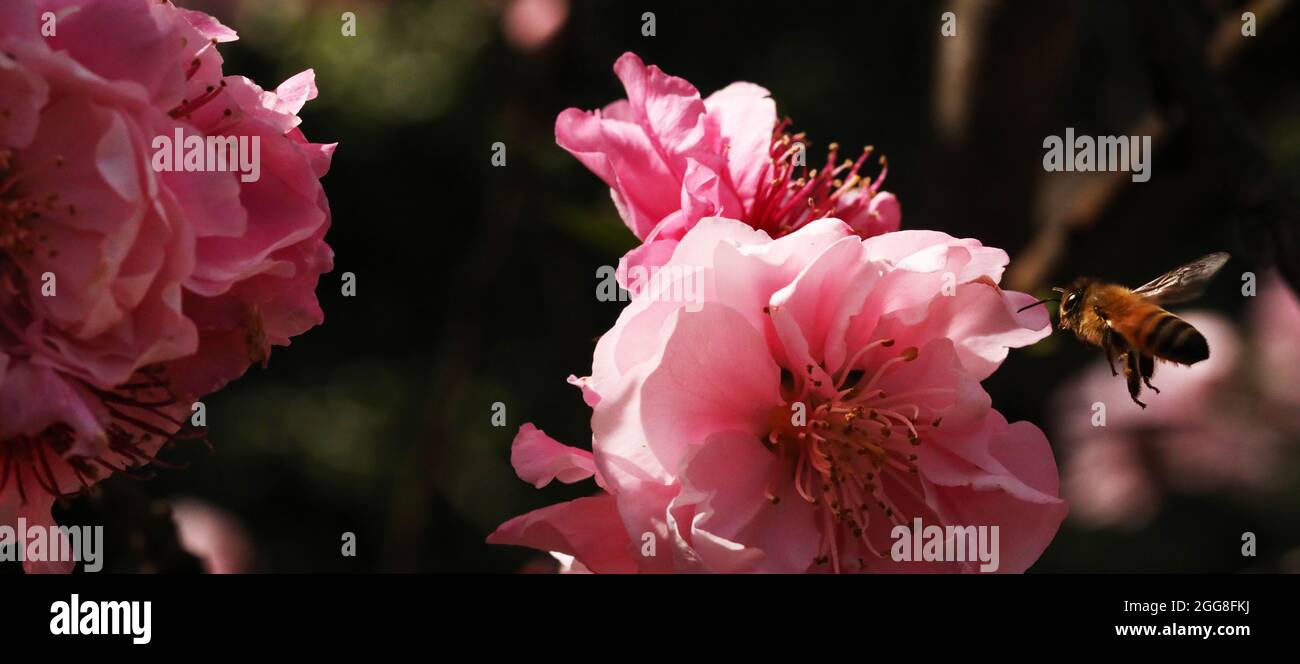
1133,326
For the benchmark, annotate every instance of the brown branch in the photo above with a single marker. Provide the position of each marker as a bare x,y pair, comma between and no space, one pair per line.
1068,202
1267,208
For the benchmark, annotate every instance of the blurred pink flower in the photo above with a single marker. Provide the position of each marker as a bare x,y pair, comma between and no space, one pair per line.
882,343
1275,315
531,24
672,158
214,536
1202,432
166,284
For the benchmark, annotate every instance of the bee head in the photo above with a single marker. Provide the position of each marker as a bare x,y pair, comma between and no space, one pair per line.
1070,299
1072,302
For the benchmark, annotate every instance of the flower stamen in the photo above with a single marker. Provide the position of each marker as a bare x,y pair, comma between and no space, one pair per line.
840,459
793,195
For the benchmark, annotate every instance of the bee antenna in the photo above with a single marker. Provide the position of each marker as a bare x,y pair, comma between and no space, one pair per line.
1030,306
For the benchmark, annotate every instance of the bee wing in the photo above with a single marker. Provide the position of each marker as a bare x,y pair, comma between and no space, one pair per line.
1183,283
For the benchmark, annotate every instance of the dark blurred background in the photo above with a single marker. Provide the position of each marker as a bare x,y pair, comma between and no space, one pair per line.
475,284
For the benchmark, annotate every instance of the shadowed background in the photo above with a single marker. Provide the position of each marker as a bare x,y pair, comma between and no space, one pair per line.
476,284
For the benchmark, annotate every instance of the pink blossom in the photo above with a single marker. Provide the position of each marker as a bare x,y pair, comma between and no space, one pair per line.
1275,315
881,342
531,24
672,158
166,284
1202,432
214,536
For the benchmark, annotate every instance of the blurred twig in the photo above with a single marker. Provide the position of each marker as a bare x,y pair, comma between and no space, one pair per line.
1077,202
1269,210
959,58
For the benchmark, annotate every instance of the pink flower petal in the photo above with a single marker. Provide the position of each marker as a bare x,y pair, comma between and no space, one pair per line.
746,115
712,376
1024,505
538,459
736,525
589,529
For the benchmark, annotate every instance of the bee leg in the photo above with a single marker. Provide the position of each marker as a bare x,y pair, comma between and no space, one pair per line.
1109,345
1133,374
1147,366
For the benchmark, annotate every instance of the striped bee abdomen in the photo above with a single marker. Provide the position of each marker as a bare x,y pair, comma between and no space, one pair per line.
1172,338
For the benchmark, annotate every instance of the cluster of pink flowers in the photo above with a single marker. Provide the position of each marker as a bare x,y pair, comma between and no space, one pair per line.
823,390
125,293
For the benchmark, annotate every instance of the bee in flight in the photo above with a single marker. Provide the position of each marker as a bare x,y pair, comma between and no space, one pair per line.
1132,325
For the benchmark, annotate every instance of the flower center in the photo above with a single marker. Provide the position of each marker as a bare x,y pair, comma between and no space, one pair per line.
143,419
793,195
21,212
28,453
848,448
